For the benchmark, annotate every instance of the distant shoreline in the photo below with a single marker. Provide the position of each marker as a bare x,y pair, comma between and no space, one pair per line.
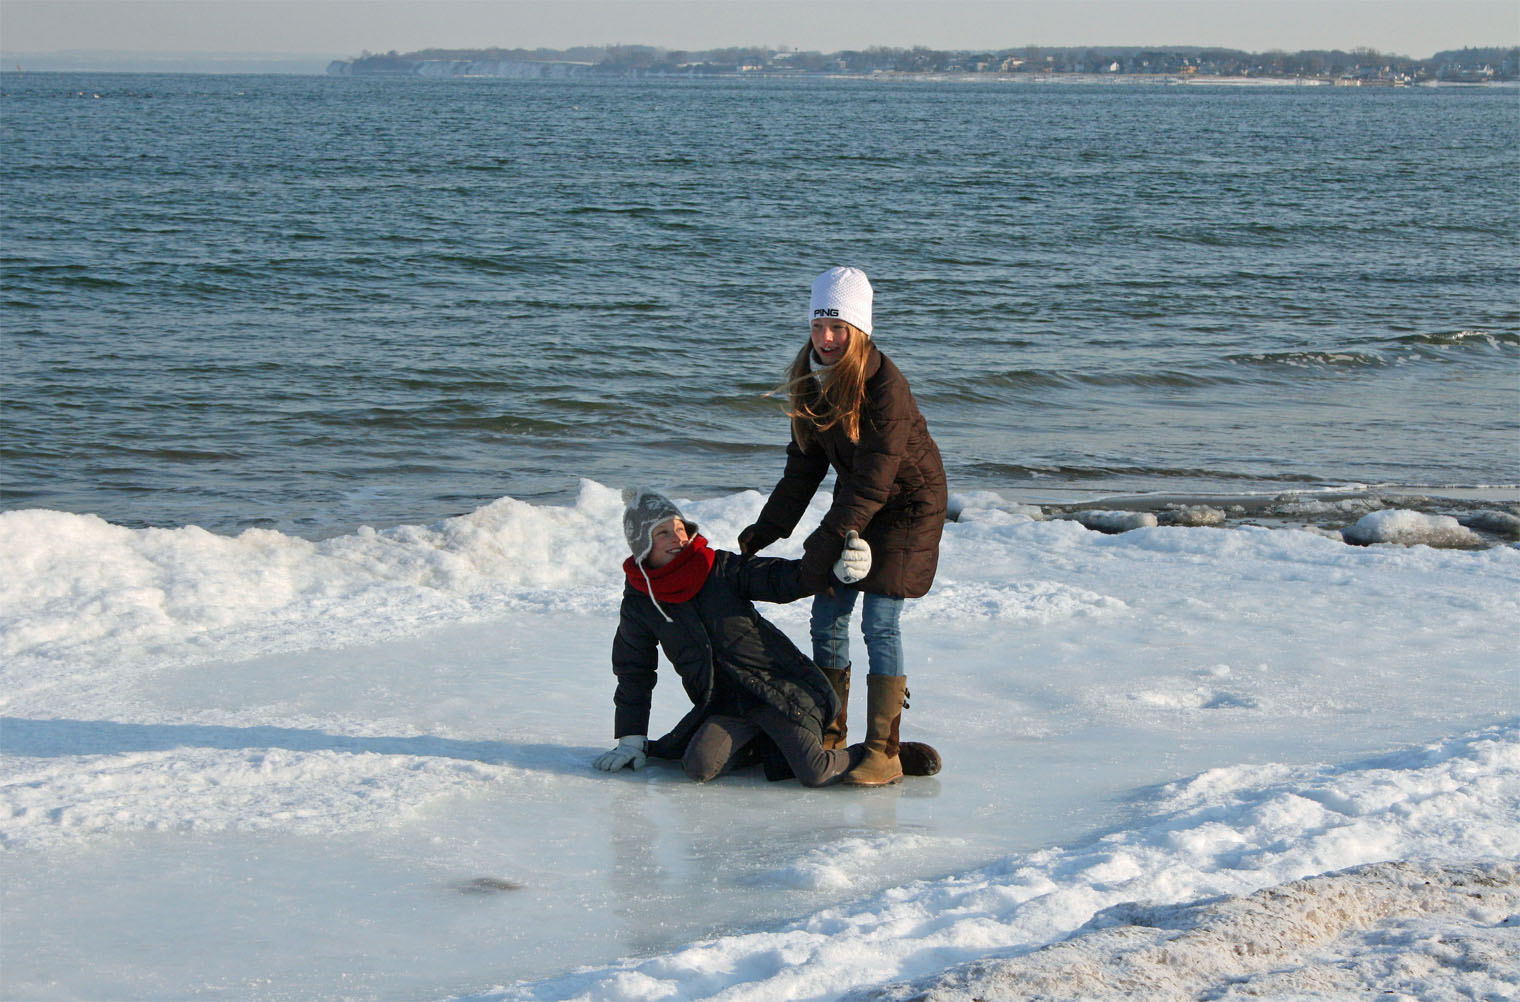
1003,79
1128,79
1128,64
1113,66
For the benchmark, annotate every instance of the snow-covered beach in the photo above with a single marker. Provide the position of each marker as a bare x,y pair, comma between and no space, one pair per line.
258,766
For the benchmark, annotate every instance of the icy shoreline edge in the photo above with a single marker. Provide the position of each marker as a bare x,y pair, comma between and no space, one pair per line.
1491,515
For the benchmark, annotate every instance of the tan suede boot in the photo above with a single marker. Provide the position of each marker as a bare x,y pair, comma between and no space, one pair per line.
834,731
884,703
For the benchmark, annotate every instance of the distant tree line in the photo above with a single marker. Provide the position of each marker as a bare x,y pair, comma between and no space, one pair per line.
1468,65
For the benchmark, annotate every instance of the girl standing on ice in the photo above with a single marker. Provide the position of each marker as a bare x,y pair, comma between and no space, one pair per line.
745,678
851,409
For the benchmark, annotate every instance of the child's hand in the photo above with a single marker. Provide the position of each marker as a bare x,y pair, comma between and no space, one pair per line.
855,562
629,752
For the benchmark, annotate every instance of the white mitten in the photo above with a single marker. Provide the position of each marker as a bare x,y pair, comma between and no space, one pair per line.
629,752
855,562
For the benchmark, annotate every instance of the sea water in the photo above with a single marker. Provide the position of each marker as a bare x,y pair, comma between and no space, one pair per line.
313,304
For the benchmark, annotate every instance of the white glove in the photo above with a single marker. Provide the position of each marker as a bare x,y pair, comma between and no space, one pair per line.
855,562
629,752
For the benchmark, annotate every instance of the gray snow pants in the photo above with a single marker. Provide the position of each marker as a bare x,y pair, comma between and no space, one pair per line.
721,739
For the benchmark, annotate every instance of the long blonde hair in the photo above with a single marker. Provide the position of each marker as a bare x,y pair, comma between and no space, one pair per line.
818,403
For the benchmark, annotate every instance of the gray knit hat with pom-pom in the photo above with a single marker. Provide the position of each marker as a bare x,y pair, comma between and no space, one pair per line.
643,510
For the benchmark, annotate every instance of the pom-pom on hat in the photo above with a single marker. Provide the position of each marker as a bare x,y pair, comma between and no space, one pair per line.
842,294
643,510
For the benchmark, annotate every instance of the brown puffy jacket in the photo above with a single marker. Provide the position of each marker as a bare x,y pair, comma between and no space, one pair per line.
890,489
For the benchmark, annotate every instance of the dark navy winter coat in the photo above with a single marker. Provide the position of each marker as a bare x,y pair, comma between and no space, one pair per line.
724,651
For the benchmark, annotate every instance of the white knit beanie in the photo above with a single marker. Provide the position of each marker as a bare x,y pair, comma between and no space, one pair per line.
842,294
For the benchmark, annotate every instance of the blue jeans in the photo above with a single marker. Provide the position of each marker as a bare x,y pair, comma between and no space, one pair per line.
878,624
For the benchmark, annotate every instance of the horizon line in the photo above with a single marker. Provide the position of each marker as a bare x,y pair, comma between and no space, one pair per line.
10,54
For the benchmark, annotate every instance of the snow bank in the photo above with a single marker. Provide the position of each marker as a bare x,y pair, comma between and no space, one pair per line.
1228,833
1425,930
80,584
83,592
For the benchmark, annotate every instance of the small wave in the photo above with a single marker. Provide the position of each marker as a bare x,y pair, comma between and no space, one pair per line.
996,471
763,451
444,383
1460,339
506,424
617,307
1230,236
1162,379
181,455
239,271
757,402
1310,359
634,211
75,276
94,282
1026,378
475,262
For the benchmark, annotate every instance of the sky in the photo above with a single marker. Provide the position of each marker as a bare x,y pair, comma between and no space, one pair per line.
345,28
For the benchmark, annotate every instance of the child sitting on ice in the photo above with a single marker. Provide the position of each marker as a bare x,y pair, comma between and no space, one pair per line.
747,681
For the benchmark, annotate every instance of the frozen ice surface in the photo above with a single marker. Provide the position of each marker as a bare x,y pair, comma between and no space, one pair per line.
264,767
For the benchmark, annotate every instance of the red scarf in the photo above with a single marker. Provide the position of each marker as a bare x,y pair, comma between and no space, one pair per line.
678,580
